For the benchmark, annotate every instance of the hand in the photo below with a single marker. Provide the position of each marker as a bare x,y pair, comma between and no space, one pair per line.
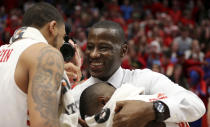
77,60
132,113
82,123
73,72
73,67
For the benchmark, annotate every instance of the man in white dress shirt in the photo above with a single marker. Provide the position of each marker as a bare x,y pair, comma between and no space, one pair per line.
105,48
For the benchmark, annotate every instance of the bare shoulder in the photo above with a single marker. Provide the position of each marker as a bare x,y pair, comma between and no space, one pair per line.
32,59
39,51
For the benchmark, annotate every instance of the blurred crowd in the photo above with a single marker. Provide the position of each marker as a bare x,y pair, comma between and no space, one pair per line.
168,36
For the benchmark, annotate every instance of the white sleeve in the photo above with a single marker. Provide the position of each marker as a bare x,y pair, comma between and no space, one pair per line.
184,105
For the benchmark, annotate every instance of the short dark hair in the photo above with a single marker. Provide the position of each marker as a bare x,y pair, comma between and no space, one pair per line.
88,98
40,14
111,25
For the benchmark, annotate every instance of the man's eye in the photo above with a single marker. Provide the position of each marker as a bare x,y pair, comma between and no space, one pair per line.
104,48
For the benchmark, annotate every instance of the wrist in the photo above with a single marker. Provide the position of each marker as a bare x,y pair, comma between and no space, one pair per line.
151,111
161,111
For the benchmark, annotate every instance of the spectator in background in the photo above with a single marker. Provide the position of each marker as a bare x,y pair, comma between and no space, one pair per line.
179,77
194,53
28,4
198,85
174,52
153,52
206,69
156,66
5,36
126,9
175,12
134,30
132,59
166,64
3,18
184,41
204,37
81,37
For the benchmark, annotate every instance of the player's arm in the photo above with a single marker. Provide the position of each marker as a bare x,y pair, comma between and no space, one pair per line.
45,73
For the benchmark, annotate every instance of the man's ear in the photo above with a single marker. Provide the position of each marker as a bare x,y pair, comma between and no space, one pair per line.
53,27
124,50
102,100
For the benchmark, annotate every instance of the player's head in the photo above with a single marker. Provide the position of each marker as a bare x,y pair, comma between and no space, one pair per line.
94,98
48,20
105,48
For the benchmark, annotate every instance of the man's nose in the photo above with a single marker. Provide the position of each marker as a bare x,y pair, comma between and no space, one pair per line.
94,53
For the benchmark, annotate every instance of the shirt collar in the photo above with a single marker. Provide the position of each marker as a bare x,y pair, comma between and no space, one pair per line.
116,79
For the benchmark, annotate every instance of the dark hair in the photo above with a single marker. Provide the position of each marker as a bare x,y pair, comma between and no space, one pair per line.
111,25
89,97
40,14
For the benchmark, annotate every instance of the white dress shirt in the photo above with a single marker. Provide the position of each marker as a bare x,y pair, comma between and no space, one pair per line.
184,105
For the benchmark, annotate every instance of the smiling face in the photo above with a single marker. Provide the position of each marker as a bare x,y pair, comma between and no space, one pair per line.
104,52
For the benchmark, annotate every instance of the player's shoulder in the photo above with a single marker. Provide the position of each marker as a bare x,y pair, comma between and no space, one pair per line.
42,49
41,52
39,47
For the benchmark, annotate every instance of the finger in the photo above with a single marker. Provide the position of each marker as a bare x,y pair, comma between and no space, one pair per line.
117,117
119,122
119,106
79,75
71,75
70,67
77,57
76,70
71,42
82,123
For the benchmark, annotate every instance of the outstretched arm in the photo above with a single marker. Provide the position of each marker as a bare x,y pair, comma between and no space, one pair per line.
45,73
184,106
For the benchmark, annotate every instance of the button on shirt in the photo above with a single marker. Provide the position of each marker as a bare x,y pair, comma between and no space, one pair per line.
184,105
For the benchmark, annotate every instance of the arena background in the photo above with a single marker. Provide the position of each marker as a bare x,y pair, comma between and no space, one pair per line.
168,36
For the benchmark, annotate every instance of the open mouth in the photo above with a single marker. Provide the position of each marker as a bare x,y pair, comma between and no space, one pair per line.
96,65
